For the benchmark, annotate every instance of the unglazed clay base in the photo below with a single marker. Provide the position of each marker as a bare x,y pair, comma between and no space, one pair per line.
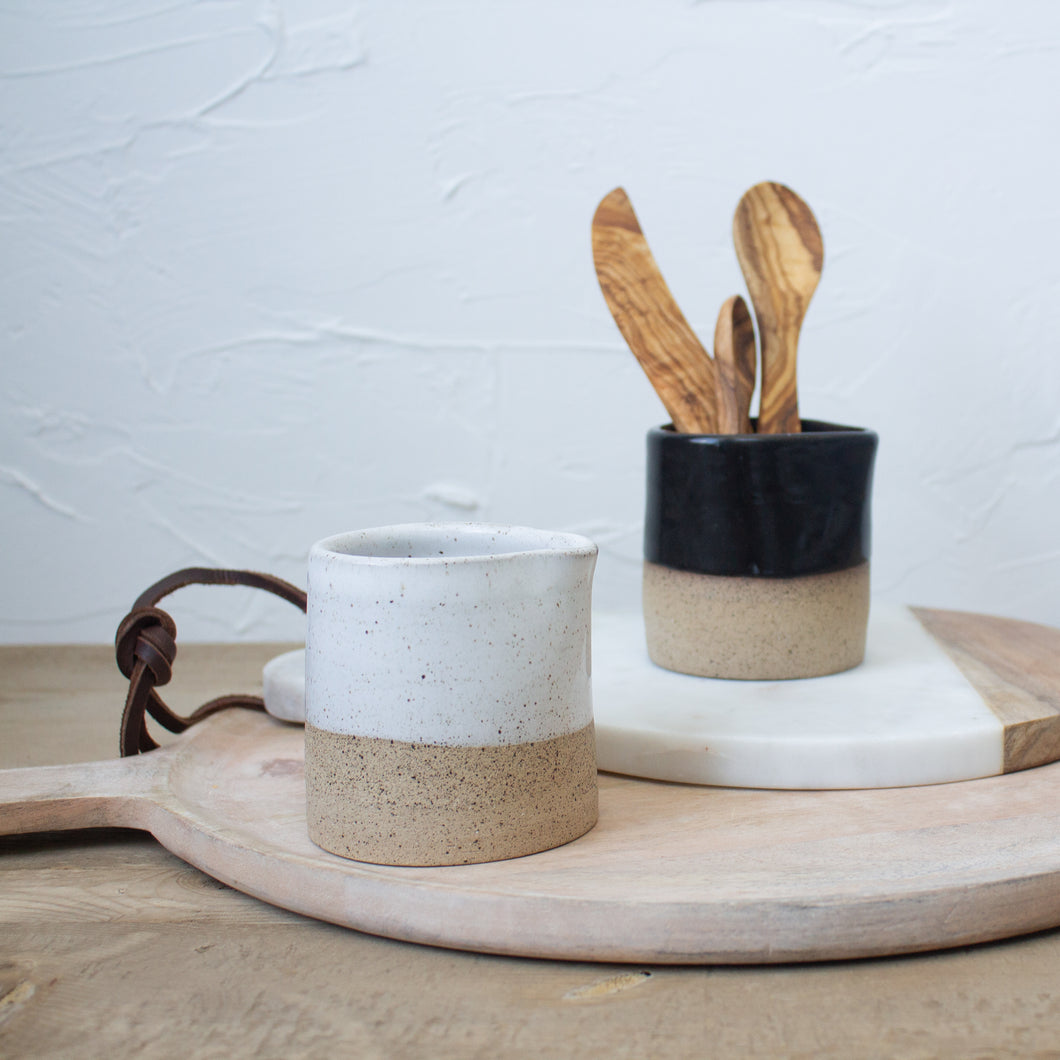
756,628
397,803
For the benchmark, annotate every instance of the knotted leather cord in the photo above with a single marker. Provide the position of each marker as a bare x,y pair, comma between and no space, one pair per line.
146,646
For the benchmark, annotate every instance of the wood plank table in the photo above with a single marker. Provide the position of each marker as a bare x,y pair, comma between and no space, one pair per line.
110,946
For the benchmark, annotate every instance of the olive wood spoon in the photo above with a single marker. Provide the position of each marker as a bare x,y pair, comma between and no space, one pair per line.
781,254
734,366
651,322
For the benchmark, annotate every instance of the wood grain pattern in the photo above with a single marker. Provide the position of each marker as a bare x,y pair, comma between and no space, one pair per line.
1015,667
792,875
734,365
199,978
674,360
781,254
114,947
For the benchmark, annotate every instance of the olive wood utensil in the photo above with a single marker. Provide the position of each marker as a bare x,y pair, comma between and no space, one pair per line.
677,365
779,247
734,367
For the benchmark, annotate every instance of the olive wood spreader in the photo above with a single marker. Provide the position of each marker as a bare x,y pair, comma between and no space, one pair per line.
674,360
734,366
781,254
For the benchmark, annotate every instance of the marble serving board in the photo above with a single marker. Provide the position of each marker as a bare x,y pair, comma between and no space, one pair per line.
942,696
672,874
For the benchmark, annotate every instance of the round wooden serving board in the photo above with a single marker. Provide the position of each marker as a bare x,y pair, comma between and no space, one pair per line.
673,873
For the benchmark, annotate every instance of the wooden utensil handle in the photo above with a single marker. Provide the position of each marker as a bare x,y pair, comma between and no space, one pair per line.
86,795
779,400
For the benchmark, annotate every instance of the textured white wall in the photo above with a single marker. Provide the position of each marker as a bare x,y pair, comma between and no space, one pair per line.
273,270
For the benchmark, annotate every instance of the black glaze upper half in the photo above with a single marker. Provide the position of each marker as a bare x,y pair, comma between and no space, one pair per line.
770,505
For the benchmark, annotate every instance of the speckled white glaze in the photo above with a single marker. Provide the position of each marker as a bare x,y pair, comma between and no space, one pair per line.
455,634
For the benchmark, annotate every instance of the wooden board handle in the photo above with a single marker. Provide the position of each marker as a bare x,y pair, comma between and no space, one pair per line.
85,795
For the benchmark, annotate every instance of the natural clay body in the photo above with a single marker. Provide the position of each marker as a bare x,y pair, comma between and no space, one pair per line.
398,803
756,628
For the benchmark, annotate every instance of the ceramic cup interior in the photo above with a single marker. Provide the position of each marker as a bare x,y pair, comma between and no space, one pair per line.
756,551
441,542
448,700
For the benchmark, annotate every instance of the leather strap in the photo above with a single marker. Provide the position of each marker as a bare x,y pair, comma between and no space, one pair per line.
146,647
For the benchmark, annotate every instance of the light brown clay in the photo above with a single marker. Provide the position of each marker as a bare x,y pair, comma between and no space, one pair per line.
397,803
756,628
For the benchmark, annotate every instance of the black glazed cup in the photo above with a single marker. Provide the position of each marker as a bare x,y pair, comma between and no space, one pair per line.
756,551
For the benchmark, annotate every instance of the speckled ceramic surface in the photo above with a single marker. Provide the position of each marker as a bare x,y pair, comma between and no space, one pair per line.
460,639
520,798
757,629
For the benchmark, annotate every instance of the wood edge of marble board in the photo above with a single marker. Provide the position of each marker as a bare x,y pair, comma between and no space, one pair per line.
1015,666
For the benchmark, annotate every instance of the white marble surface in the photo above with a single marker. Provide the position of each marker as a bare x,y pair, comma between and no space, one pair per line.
905,716
283,681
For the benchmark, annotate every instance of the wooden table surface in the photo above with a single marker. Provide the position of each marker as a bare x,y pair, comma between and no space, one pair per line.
112,947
